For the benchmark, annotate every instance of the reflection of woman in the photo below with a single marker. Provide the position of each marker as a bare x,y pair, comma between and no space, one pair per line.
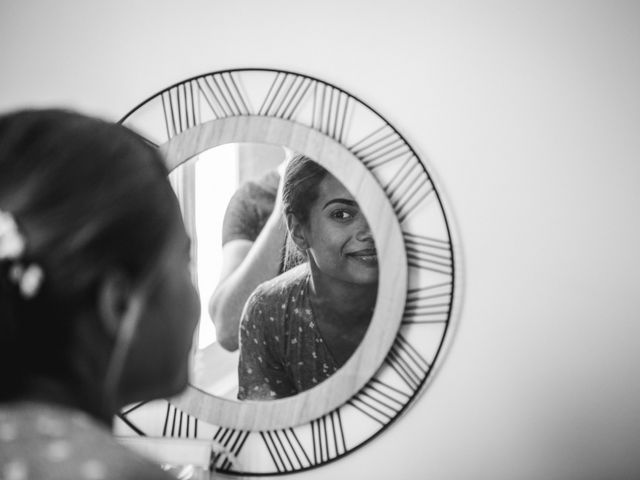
97,309
300,327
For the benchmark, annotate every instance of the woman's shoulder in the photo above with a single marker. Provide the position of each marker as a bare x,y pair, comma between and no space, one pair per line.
49,441
284,285
272,299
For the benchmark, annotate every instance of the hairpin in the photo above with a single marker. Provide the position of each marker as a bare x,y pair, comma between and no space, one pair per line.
11,241
12,246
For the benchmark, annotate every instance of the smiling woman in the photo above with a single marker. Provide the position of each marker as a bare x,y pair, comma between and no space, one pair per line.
302,326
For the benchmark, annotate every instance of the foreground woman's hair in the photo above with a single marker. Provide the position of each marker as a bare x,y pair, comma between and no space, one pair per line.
87,196
97,307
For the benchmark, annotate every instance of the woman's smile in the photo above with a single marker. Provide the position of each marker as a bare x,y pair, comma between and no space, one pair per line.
367,256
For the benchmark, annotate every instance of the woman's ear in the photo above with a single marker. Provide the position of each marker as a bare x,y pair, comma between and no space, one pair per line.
114,299
297,231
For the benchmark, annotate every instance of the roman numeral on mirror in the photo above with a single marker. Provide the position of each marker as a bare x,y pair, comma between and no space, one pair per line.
179,108
227,444
328,437
409,185
291,452
407,362
330,110
408,188
179,424
124,416
288,93
428,253
430,304
285,95
220,94
380,147
223,95
380,401
285,450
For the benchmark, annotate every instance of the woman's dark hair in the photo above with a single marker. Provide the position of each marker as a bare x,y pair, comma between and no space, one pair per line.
299,191
89,196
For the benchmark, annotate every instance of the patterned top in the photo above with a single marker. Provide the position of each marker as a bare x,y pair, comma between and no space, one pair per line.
40,441
282,351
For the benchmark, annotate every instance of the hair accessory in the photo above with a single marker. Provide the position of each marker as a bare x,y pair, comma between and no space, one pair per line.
11,241
12,246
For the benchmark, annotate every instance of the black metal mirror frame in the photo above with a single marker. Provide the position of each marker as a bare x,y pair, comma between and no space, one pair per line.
326,123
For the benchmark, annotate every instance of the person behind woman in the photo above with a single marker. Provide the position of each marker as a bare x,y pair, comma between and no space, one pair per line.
299,328
253,237
97,308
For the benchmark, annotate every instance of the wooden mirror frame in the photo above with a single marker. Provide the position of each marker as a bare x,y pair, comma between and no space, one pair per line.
392,284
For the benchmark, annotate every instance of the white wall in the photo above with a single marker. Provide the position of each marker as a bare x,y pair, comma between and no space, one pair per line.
529,112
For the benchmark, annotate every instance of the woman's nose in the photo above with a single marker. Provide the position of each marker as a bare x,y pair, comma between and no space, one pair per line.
364,232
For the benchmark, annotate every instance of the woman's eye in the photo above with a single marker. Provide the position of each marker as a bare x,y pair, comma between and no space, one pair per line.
342,214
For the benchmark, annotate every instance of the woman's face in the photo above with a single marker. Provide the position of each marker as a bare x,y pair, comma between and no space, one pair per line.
159,357
338,236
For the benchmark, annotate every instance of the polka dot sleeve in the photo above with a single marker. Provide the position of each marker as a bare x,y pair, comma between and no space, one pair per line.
40,441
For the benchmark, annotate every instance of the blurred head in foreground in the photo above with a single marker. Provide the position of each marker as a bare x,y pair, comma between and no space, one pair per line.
97,308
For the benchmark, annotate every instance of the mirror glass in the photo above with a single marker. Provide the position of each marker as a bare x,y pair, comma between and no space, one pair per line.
310,294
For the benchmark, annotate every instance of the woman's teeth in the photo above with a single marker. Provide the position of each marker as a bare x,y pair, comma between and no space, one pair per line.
365,257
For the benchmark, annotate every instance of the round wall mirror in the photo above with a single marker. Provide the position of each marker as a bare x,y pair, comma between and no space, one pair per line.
221,122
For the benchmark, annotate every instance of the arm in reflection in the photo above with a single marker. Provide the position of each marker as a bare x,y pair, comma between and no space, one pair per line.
254,234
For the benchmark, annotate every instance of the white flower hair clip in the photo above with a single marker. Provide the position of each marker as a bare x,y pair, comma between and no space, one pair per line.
12,246
11,242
